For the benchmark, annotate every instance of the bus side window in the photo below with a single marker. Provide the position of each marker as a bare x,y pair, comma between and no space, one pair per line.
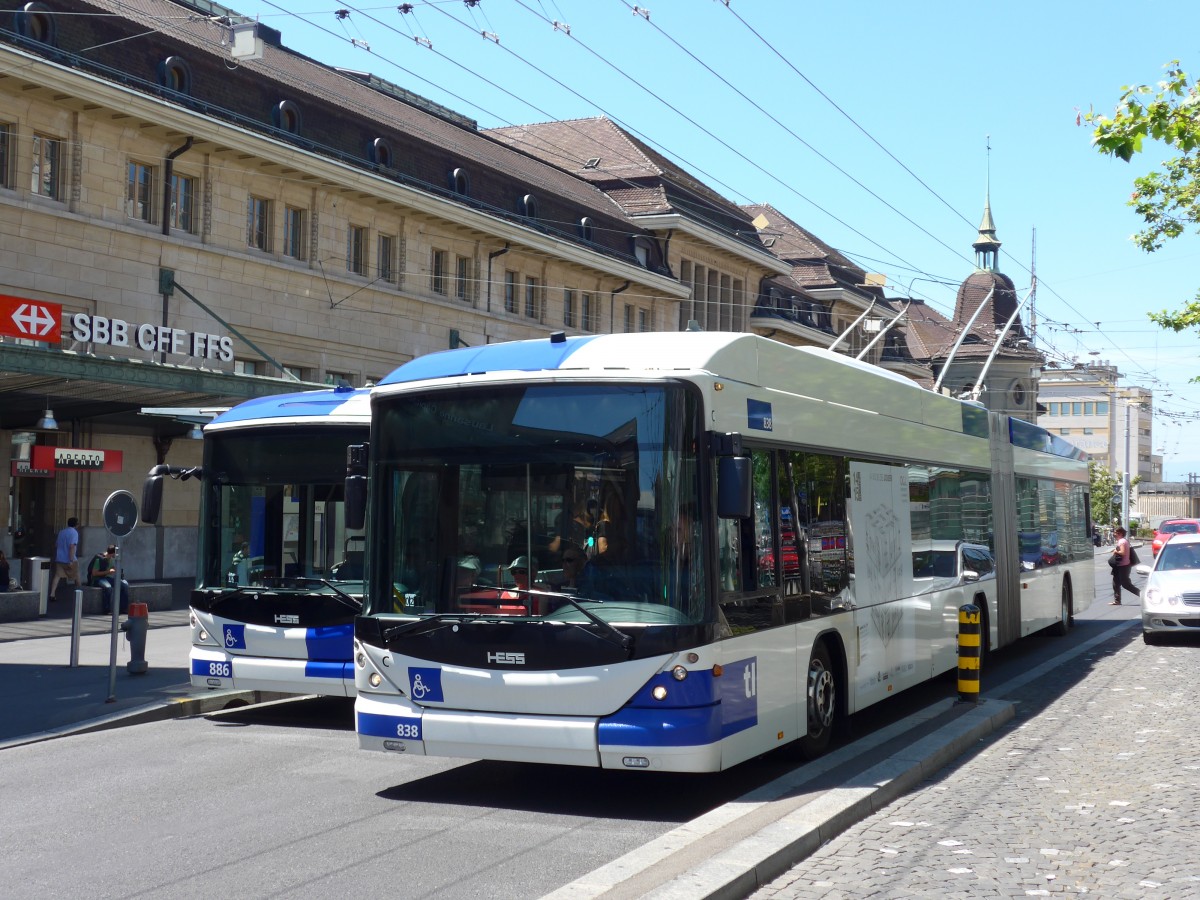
749,593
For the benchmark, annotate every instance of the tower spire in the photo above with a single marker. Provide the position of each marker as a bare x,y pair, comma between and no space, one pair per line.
987,246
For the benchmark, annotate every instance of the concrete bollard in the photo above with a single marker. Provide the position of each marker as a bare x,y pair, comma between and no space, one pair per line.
135,628
968,652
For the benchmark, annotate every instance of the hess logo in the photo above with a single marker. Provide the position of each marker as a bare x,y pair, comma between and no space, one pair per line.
506,656
287,620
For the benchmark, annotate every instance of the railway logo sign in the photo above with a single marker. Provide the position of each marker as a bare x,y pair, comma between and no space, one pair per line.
31,319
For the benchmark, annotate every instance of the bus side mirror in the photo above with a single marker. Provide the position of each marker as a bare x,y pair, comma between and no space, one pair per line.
735,498
356,486
152,495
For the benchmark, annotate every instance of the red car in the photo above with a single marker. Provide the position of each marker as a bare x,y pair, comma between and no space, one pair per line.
1168,527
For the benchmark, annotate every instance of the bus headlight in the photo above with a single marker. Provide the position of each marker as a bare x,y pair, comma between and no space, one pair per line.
679,673
202,636
659,692
375,679
361,659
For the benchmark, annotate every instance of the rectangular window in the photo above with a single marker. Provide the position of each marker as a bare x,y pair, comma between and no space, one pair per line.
628,320
1102,407
258,223
336,378
437,269
183,203
588,313
139,191
462,279
510,291
7,142
1089,431
685,306
643,320
1064,431
356,249
245,367
1089,408
46,178
1077,408
532,305
568,308
293,232
384,254
293,372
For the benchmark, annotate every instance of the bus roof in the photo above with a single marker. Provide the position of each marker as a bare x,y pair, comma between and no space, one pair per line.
348,405
736,356
733,355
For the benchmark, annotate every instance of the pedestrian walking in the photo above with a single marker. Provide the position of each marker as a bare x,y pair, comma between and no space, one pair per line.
66,556
1122,560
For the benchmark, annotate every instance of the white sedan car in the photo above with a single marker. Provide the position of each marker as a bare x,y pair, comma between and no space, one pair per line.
1171,597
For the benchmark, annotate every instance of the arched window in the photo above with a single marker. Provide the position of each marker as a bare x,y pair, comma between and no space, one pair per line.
460,182
175,75
529,206
381,153
586,229
286,116
35,22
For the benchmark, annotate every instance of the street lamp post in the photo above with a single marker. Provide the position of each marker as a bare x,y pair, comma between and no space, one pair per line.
1125,493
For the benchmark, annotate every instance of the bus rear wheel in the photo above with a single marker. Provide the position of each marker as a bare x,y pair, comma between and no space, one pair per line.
821,703
1063,625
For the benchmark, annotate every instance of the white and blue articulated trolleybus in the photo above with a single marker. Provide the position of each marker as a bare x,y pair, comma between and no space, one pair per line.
280,574
678,551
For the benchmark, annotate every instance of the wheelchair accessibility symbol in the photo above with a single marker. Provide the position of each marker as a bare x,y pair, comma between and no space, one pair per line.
425,685
418,689
235,637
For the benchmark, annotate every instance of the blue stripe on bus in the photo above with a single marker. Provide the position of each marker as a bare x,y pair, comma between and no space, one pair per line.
339,671
699,710
509,356
376,725
330,642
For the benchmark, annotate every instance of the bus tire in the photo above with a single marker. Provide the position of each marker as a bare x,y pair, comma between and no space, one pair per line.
1063,625
821,702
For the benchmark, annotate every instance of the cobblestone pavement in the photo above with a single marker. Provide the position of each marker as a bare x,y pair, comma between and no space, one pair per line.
1093,788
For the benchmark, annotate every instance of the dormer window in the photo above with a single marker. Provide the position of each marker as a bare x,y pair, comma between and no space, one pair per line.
586,230
175,75
381,153
460,182
642,250
286,116
529,206
35,22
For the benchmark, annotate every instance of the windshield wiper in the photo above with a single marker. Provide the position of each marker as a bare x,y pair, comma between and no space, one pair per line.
612,631
347,600
428,624
221,597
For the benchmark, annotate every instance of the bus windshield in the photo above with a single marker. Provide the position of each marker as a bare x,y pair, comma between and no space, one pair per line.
273,515
561,501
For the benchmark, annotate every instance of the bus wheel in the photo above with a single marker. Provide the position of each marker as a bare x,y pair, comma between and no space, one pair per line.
1063,625
822,700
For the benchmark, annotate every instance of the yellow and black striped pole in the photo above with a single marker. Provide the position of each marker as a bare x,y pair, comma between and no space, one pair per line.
968,653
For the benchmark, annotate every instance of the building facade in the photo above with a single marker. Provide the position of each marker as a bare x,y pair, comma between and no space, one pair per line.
181,229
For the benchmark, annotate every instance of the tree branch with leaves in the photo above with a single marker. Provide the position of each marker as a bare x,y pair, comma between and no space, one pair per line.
1168,200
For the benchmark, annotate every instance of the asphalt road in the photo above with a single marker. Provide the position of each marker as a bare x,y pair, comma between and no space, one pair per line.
278,801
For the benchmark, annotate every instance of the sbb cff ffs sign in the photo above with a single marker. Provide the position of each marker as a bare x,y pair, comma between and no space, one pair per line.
31,319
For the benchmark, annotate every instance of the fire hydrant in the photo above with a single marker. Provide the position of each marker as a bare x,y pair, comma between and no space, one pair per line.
135,627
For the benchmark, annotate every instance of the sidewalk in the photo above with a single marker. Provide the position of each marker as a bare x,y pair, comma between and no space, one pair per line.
45,697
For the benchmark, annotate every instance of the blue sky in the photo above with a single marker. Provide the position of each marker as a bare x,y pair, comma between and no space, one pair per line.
873,132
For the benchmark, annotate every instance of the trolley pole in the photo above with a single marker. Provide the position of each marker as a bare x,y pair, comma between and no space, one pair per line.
968,653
